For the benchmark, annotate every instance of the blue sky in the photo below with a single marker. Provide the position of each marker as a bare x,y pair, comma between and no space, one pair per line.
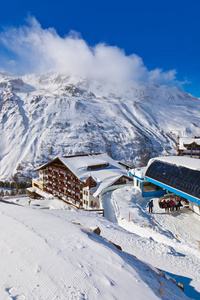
164,34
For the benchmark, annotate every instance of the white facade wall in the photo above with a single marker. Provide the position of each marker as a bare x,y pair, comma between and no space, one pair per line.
194,207
139,177
89,200
41,176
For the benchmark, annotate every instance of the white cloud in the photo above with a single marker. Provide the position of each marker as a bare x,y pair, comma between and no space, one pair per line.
39,50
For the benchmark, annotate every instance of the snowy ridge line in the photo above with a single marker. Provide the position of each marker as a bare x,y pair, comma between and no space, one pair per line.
94,232
58,117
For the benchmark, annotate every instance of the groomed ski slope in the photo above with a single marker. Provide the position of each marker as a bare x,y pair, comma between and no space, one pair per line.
47,254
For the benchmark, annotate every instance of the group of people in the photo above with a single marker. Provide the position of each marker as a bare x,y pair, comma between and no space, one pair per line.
170,204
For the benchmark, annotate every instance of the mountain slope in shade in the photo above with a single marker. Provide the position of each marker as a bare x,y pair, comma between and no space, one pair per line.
49,115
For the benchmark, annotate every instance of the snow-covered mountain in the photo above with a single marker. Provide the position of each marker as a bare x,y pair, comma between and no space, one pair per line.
49,115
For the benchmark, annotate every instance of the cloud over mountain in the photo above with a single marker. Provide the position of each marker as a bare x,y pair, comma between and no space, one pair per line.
37,50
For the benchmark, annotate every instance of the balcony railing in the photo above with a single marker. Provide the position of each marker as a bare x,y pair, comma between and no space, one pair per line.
38,180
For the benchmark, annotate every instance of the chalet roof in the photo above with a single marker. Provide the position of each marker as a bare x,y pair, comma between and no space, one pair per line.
188,141
124,165
107,170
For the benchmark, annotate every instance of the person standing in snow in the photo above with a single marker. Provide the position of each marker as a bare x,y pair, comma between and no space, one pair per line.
150,205
165,205
168,206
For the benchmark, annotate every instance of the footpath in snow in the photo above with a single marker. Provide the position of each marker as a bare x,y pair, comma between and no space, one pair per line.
173,242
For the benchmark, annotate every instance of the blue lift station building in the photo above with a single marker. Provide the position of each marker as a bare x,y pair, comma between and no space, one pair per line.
175,174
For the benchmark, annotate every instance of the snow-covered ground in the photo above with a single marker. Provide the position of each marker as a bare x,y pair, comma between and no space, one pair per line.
173,243
52,253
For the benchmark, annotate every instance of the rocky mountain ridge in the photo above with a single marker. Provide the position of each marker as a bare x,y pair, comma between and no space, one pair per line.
49,115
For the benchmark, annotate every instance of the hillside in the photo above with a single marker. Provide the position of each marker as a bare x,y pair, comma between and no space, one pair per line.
59,257
48,115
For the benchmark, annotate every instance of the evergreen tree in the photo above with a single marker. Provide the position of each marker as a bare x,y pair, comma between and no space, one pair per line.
12,193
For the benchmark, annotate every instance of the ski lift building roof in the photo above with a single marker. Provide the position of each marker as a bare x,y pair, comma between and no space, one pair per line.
177,174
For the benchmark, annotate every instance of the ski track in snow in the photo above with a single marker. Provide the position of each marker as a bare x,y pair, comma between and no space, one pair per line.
28,264
46,255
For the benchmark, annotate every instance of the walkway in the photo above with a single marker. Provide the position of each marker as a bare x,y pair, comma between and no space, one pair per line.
109,212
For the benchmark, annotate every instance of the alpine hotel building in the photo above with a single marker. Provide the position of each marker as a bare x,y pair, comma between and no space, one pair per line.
80,179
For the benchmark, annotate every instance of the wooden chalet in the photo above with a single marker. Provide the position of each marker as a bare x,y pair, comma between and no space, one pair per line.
189,147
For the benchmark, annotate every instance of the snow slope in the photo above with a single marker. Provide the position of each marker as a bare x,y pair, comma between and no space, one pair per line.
173,243
45,254
52,253
49,115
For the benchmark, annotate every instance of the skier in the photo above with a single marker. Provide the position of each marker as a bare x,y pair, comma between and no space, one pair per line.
150,205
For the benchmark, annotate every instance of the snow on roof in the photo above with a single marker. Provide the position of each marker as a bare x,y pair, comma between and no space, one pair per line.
187,162
140,172
39,192
188,141
104,177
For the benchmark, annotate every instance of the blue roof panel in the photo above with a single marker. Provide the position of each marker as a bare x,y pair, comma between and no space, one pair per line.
178,177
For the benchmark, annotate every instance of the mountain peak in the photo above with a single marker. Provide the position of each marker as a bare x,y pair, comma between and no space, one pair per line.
55,114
